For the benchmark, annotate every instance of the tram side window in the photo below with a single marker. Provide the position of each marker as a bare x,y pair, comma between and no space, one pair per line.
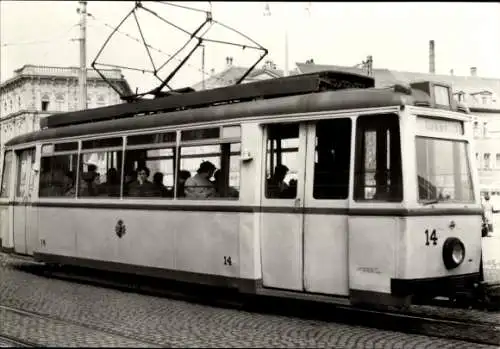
281,161
209,171
333,155
6,175
100,168
57,175
378,174
100,174
150,165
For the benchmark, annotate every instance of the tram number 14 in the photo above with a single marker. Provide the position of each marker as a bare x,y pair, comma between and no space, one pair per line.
227,260
430,235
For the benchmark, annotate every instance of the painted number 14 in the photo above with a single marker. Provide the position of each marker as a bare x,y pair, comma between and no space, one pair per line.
430,236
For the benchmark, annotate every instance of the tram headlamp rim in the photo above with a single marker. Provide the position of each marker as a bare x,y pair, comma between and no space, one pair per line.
448,249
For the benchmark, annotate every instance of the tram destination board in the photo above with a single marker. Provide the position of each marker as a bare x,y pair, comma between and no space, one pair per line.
271,88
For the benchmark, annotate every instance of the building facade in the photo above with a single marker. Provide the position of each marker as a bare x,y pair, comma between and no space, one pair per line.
35,92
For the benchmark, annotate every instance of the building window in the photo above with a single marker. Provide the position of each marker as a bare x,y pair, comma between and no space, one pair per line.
60,102
486,161
100,101
485,129
485,99
45,103
476,129
498,161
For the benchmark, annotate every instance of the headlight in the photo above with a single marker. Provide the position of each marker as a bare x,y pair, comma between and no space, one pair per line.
453,253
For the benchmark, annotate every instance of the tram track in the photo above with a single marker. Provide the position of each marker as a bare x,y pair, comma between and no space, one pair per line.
9,341
77,325
431,325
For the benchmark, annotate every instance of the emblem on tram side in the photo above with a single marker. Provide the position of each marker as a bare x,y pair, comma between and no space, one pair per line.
120,228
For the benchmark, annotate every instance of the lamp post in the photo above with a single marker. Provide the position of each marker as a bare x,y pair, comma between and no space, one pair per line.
267,13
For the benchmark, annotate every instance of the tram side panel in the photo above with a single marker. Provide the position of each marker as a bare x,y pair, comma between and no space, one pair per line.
373,257
161,241
57,231
5,227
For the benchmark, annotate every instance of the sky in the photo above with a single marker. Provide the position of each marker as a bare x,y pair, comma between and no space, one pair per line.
396,35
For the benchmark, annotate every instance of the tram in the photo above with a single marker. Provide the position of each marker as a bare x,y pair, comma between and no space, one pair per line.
326,188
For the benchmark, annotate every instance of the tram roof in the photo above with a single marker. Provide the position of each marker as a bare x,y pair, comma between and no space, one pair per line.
298,104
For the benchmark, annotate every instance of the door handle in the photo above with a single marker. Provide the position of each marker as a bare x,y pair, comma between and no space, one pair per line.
297,202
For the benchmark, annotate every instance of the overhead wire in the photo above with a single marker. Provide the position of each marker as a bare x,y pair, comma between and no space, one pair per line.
156,49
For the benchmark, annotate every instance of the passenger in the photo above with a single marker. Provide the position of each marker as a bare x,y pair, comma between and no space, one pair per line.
112,185
183,176
199,186
130,178
276,185
87,183
69,184
142,187
219,187
160,189
291,191
488,211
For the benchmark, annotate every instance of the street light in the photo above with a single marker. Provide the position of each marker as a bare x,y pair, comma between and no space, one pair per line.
267,13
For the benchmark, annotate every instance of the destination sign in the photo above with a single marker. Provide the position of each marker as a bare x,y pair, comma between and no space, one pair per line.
450,127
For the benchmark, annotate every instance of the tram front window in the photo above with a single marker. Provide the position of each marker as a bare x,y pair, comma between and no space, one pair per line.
443,170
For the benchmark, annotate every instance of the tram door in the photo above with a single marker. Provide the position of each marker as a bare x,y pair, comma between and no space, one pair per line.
282,204
304,226
23,210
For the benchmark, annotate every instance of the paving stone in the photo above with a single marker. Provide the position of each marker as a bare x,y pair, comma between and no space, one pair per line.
87,310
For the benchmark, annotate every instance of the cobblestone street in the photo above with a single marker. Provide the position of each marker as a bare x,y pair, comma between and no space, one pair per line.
71,314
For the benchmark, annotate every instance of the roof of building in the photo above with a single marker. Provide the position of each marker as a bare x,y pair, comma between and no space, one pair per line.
232,74
30,70
386,77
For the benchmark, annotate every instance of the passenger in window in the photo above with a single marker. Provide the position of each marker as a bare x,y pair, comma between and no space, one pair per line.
112,185
69,184
219,187
276,186
161,190
291,191
130,178
87,183
199,186
142,187
183,176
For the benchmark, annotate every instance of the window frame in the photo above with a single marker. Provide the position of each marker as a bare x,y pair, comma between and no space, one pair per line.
9,175
54,153
219,141
395,155
469,163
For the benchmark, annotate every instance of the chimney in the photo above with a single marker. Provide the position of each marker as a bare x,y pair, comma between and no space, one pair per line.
473,71
432,58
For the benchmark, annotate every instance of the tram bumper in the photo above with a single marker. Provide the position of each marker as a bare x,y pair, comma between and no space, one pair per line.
445,286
